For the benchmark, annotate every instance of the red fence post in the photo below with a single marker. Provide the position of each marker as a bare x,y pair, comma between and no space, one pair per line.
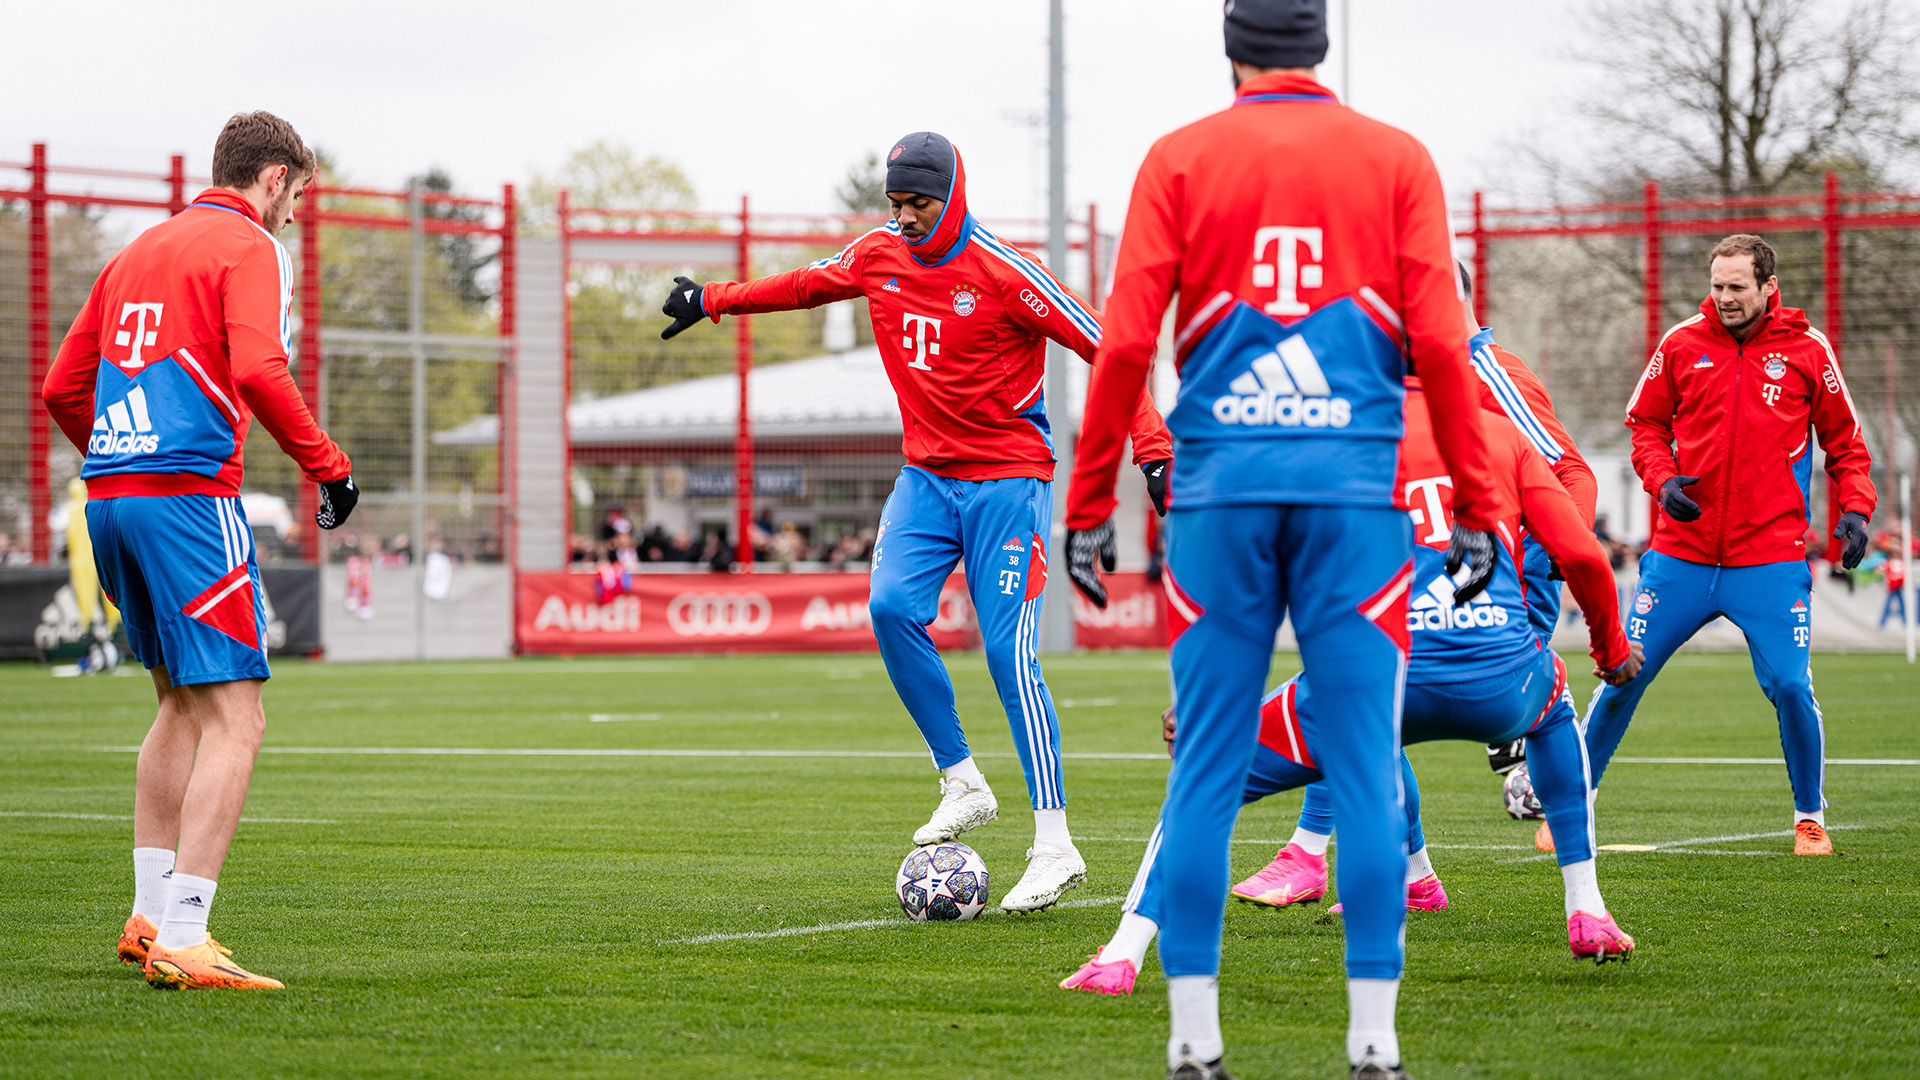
506,386
1093,257
40,499
177,185
566,376
1479,258
307,372
743,436
1652,285
1832,271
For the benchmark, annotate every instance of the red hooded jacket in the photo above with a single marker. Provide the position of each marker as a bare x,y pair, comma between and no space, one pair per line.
961,318
1742,416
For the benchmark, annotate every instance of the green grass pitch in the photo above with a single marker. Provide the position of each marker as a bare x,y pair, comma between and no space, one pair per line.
440,915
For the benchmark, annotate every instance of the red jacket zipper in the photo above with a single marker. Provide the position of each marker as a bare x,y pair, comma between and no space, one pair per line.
1733,439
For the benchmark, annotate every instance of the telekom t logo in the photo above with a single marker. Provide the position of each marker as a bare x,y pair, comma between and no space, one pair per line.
1284,270
1771,392
916,339
1430,509
139,336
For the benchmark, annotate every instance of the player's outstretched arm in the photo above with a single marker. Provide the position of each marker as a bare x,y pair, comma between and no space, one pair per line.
1525,400
831,279
1551,516
1849,463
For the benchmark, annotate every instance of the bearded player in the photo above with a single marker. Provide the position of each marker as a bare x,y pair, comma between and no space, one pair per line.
182,343
962,320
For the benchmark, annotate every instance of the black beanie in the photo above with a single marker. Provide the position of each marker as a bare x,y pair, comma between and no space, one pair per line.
1277,33
921,163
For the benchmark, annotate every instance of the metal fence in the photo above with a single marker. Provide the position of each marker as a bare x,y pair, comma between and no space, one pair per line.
404,309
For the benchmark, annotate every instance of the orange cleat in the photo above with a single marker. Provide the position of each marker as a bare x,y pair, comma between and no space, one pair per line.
137,937
205,966
1543,838
1810,838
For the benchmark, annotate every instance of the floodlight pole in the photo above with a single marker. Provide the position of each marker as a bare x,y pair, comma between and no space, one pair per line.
1057,622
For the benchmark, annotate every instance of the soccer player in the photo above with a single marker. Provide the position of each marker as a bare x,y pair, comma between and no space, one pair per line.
1477,671
183,341
1311,253
1723,429
962,320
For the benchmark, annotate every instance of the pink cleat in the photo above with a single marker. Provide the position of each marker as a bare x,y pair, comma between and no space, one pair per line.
1295,876
1423,895
1597,936
1115,978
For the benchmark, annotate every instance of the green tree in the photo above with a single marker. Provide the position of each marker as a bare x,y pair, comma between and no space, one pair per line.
864,191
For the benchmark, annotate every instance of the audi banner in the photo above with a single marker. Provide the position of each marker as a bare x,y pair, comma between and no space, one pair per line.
558,614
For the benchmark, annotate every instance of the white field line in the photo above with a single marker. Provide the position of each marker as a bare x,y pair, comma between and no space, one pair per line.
129,817
616,717
1688,847
1759,761
862,924
490,751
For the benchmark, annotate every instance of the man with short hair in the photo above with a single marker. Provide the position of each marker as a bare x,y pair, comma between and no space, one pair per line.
961,319
1311,253
1723,427
183,341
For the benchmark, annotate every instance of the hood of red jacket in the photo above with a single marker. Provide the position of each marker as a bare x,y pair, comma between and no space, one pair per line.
228,199
950,233
1278,86
1777,317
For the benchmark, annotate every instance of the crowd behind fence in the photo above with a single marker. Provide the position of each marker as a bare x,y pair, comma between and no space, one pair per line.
406,346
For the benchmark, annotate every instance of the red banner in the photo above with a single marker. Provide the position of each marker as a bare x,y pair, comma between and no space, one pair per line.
676,613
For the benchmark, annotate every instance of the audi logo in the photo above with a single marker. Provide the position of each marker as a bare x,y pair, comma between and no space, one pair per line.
1038,305
720,614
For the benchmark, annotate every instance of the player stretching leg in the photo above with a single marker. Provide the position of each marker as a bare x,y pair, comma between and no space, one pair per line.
183,342
1310,251
961,320
1477,672
1730,399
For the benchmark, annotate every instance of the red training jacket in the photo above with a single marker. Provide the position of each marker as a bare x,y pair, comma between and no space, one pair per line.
961,319
1512,388
188,325
1289,201
1742,416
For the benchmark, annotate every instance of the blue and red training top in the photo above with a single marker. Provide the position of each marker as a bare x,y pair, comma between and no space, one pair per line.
961,319
183,340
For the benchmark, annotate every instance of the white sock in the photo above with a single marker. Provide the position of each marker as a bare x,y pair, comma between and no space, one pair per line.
965,770
1370,1008
1130,941
1418,865
1818,817
1194,1002
1583,888
1312,842
151,867
1050,827
188,900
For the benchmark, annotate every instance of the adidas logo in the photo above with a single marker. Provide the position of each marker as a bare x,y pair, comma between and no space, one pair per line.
193,901
124,428
1284,387
1435,609
892,285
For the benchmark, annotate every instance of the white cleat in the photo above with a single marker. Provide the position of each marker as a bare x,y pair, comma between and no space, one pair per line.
962,807
1050,873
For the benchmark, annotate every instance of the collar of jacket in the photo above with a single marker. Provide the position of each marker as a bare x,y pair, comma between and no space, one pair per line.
227,199
1778,318
1281,86
950,233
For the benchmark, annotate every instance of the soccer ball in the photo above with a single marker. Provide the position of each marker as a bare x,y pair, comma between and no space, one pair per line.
1522,803
942,882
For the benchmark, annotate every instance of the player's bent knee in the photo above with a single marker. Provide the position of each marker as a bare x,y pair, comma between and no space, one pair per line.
893,609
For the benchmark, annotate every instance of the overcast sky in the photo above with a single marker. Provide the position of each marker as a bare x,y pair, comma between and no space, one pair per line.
770,98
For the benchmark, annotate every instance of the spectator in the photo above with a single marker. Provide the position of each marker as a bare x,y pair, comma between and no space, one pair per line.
581,551
788,545
615,524
681,548
1894,572
717,554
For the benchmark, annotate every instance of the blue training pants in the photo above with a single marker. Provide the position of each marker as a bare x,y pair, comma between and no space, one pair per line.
1771,604
1241,568
998,528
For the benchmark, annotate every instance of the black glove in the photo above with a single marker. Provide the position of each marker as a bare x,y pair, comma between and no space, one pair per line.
1675,502
1852,529
337,500
1156,474
683,306
1553,570
1504,756
1475,550
1084,548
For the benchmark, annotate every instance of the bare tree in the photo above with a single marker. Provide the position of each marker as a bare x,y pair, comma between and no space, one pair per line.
1734,97
864,191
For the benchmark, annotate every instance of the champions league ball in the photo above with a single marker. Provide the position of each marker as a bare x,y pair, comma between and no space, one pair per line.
942,882
1522,803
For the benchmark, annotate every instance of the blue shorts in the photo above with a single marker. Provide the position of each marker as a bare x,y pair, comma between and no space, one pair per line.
182,572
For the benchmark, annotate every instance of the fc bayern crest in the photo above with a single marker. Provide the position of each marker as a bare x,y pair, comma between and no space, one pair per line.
1643,603
1776,367
963,303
